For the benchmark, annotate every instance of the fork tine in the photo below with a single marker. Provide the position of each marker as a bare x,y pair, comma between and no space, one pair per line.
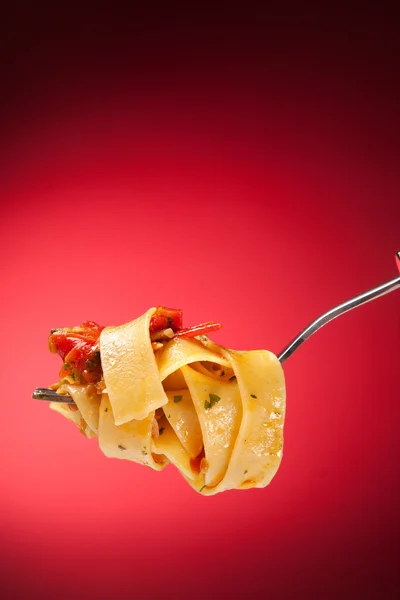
51,396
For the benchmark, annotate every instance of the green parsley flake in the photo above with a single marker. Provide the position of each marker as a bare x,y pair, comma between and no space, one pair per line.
202,488
170,320
245,472
232,378
213,400
253,395
144,452
121,447
177,398
161,430
106,409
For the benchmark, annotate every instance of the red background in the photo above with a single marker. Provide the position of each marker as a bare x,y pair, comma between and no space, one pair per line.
246,172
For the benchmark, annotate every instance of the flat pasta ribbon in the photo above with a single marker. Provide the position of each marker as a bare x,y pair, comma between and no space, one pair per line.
216,414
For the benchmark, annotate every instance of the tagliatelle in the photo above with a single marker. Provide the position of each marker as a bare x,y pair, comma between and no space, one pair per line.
130,370
214,413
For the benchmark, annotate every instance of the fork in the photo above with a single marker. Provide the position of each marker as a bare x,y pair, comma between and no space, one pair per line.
376,292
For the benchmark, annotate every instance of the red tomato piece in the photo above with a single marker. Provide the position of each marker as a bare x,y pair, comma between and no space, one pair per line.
164,318
79,349
202,329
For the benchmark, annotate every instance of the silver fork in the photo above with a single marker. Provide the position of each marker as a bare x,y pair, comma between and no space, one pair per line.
376,292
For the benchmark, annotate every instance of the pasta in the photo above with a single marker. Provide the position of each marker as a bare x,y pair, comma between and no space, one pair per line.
156,394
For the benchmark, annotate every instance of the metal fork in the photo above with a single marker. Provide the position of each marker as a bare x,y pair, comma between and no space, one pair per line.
377,292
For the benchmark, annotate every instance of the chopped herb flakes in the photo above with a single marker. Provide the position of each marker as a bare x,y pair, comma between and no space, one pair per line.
232,378
161,430
245,472
69,365
121,447
223,373
213,400
106,409
144,452
93,361
202,488
253,395
177,398
170,320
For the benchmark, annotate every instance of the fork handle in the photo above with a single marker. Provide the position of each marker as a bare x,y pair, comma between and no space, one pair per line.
380,290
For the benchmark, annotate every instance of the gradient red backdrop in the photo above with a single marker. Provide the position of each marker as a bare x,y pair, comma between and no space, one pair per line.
245,181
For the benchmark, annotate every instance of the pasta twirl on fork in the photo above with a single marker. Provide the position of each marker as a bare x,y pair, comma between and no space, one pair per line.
155,393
